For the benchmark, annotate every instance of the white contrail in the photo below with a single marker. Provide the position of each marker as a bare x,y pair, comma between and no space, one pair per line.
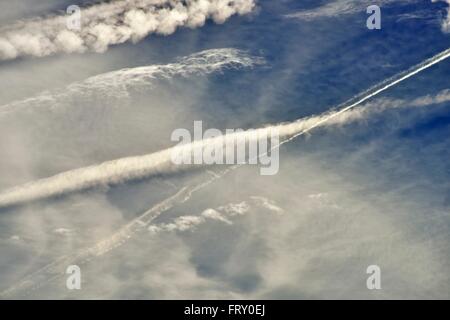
112,23
376,90
56,269
138,167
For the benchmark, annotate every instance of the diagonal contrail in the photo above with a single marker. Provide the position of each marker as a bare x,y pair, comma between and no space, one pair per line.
56,269
376,90
116,84
138,167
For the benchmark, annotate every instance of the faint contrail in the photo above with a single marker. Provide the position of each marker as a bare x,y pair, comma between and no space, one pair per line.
56,269
138,167
337,8
115,22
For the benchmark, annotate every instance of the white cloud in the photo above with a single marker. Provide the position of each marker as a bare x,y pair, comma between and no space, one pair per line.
112,23
222,214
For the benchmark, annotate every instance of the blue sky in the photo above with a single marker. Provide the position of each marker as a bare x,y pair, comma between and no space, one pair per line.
373,190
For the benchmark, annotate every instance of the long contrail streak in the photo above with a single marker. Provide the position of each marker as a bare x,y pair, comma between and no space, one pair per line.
376,90
55,270
138,167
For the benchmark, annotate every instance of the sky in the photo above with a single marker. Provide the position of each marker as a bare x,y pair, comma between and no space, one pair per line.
86,178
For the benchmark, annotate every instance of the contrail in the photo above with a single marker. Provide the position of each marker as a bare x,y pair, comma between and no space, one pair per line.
139,167
376,90
111,23
56,269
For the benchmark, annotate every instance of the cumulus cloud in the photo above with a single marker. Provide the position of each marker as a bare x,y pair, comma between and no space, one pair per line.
112,23
222,214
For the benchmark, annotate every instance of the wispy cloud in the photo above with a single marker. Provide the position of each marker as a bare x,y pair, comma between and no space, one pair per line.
446,21
337,8
117,83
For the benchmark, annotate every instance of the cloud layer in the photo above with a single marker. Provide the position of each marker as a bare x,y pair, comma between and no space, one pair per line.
374,191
